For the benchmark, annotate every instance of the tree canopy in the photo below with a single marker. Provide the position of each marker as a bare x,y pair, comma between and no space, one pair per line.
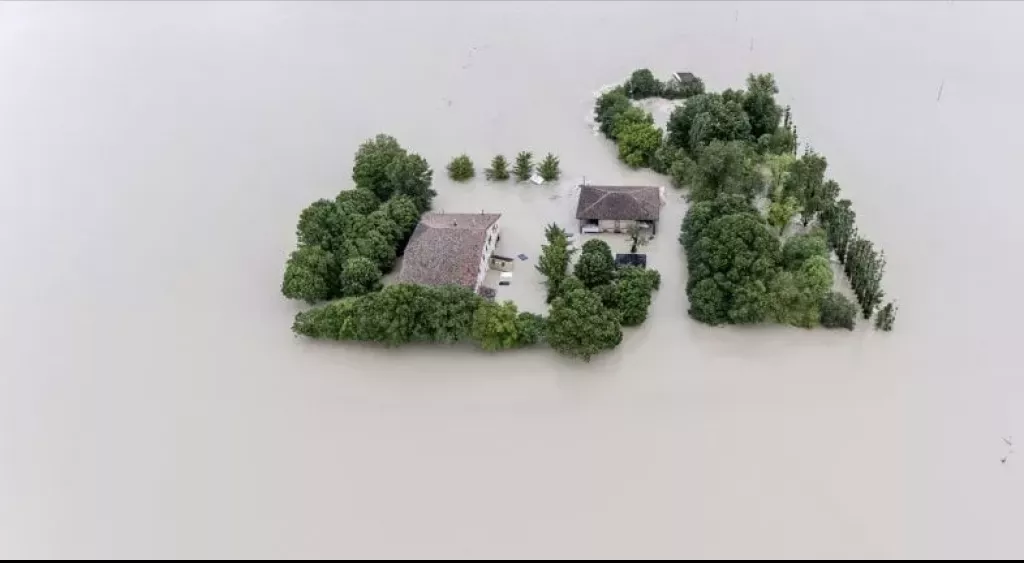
498,170
554,259
596,265
524,166
706,118
642,84
461,169
724,168
838,312
311,274
581,326
549,168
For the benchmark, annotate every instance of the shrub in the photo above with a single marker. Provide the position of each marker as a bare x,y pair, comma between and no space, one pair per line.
498,170
837,311
549,169
524,166
461,169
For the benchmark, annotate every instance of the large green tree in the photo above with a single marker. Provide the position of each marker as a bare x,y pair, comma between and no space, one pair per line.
312,275
608,107
321,225
724,168
799,248
705,118
642,84
701,214
360,276
633,294
360,200
638,144
732,264
554,259
759,103
411,177
805,183
796,296
372,161
596,265
581,326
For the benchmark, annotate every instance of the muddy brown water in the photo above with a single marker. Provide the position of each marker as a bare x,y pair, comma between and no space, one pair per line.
154,158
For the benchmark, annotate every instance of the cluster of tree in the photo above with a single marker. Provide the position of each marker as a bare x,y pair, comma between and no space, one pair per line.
549,168
625,290
643,84
404,313
727,148
346,245
739,272
629,126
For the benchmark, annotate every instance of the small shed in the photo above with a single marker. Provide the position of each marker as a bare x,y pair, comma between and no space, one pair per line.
638,260
502,263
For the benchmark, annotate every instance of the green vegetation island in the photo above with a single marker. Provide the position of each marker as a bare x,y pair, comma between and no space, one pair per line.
736,153
346,246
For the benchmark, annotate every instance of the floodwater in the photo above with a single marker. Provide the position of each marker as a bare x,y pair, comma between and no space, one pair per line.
153,402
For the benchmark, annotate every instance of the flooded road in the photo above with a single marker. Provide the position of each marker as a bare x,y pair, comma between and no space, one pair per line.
154,158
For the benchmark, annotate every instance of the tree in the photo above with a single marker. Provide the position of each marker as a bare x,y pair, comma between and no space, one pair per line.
596,265
580,326
311,275
461,169
372,161
778,167
838,219
759,103
405,214
800,248
549,169
642,84
665,156
320,224
360,201
837,311
608,107
359,276
886,317
496,327
498,170
796,296
411,176
524,166
554,259
701,214
375,246
705,118
531,327
629,118
731,265
805,184
682,170
780,213
637,237
685,87
865,267
724,168
633,294
638,142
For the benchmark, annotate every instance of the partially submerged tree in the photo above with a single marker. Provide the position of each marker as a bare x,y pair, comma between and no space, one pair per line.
372,161
638,237
759,103
732,264
498,170
838,312
780,213
608,107
554,259
549,168
311,275
638,143
706,118
633,294
524,166
596,265
360,276
642,84
724,168
581,326
886,317
461,168
496,327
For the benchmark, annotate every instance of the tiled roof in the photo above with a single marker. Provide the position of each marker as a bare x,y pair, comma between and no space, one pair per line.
619,202
446,249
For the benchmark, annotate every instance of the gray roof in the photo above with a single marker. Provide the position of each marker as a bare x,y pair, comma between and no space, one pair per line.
446,249
684,77
641,203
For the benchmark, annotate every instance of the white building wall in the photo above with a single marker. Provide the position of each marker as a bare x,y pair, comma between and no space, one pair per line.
490,243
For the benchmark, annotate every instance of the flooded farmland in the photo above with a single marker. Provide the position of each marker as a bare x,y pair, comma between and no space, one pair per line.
154,158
